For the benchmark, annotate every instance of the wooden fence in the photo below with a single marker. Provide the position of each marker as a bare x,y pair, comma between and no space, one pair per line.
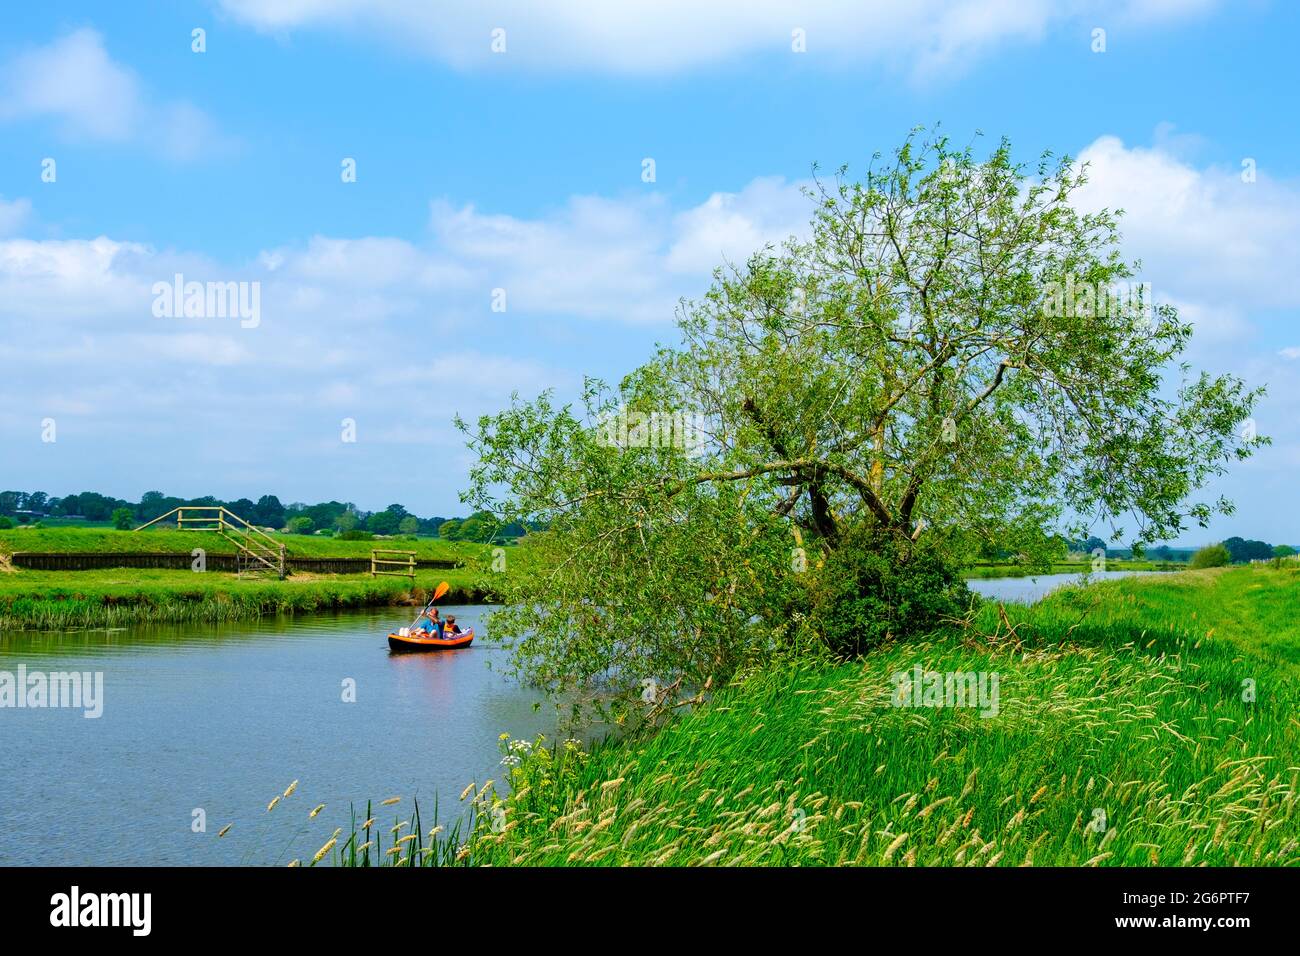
180,560
391,561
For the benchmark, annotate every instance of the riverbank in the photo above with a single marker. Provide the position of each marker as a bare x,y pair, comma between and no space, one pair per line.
1147,721
55,600
167,540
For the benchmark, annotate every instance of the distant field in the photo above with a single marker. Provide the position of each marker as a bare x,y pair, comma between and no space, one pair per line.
103,540
54,600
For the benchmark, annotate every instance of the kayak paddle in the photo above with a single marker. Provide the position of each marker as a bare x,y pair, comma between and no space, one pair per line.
438,592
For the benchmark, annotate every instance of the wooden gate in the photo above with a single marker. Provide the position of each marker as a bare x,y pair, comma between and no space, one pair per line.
393,562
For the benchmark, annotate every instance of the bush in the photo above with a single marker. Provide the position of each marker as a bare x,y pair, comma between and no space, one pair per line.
6,522
1213,556
123,519
356,534
878,585
301,525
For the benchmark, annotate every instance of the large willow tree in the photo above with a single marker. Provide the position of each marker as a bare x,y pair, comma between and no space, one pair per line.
950,358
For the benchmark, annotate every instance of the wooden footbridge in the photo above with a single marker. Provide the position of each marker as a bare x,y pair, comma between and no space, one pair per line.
258,552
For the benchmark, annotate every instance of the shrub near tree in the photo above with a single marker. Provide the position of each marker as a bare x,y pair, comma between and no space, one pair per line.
878,584
123,519
1211,556
911,373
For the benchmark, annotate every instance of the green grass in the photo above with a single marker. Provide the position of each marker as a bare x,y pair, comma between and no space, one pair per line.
104,540
57,600
1122,702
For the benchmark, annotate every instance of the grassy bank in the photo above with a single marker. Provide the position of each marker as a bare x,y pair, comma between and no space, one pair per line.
1126,733
106,541
50,600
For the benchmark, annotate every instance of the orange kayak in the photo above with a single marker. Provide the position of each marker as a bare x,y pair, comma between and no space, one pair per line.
412,643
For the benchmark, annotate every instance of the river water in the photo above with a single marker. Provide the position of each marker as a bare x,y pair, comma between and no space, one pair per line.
1031,589
222,718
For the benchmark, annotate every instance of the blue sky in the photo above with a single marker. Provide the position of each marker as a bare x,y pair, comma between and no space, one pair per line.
522,171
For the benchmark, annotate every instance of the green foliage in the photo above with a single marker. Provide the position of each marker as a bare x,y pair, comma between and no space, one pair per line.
1243,551
123,519
409,525
6,522
879,585
450,530
301,525
480,527
383,522
1283,551
911,366
1211,556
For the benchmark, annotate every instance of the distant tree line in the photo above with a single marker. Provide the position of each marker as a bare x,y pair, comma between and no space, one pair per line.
337,517
1238,551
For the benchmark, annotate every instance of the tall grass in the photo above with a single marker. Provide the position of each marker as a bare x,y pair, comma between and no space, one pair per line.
1141,722
408,843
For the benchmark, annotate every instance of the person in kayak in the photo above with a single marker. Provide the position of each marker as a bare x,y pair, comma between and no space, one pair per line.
451,628
429,623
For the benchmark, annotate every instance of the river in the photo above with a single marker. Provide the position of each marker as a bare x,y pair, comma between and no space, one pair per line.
1030,589
222,718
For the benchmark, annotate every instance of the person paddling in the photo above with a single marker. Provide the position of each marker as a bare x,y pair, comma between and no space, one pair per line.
430,623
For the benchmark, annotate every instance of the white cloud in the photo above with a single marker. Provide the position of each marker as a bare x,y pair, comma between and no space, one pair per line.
394,333
93,98
13,214
1222,251
1203,235
75,80
730,226
45,281
638,36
